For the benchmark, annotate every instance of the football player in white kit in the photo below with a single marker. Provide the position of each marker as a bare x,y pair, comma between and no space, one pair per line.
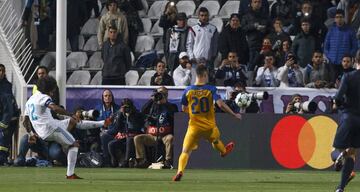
37,111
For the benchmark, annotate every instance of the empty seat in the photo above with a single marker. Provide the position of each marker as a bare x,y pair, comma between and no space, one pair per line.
146,77
79,78
159,47
97,79
156,30
49,60
76,60
52,74
95,61
157,9
144,43
92,44
212,6
218,22
91,27
146,24
131,77
229,8
187,7
192,21
142,13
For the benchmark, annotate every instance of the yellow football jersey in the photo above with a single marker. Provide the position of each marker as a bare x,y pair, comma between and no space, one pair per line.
200,101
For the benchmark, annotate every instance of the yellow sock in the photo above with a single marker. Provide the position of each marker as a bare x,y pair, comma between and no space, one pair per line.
219,145
183,159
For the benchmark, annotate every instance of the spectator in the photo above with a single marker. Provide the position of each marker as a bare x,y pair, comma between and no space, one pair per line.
233,39
282,52
168,18
347,66
351,12
277,35
266,75
316,74
90,6
339,40
265,50
285,11
76,18
113,18
304,44
159,128
184,74
130,122
117,59
290,74
161,77
107,108
255,25
5,85
175,43
130,8
317,27
246,4
202,40
231,71
42,72
42,21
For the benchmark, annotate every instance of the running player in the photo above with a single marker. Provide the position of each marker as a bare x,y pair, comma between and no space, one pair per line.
198,101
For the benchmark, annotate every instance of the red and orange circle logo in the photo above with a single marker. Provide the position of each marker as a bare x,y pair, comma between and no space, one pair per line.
296,141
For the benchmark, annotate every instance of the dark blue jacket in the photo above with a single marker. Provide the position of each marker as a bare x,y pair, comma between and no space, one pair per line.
349,92
340,41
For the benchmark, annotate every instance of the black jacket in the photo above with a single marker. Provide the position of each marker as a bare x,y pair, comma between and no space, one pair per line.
117,59
349,92
133,124
234,40
166,80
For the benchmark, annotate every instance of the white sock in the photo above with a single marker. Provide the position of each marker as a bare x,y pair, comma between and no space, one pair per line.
89,124
71,160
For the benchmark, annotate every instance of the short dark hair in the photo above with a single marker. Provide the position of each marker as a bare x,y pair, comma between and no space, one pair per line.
156,61
305,20
46,85
201,70
2,65
203,9
317,51
340,11
110,2
43,67
346,55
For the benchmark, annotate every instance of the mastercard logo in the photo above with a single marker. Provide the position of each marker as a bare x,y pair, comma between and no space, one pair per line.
296,142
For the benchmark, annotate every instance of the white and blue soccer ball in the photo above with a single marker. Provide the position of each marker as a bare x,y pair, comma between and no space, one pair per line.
243,100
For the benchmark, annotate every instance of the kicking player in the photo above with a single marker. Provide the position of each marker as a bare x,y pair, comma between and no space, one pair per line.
347,137
198,101
37,111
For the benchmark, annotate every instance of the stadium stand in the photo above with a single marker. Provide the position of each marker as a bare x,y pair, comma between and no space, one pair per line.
144,43
92,44
187,7
228,8
156,9
212,6
146,77
131,77
90,27
49,60
97,79
95,61
76,60
147,25
79,78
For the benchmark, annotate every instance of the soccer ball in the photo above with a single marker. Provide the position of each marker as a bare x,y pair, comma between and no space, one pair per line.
243,100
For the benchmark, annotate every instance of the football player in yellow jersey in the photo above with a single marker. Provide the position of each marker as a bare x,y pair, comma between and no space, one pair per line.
198,100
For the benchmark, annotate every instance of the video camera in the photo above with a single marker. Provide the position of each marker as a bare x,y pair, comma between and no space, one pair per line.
158,96
307,106
90,114
244,99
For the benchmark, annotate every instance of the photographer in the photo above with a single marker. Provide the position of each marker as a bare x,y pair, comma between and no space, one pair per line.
159,127
130,122
239,87
298,106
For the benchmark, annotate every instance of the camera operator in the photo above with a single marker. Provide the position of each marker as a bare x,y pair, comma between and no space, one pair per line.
291,109
159,128
239,87
130,122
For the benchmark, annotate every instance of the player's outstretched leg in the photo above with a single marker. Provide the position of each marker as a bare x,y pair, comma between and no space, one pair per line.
183,159
348,167
224,150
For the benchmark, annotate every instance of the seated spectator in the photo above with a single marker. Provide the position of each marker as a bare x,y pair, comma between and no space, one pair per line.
290,108
316,74
175,43
239,88
113,16
159,128
284,10
266,75
130,122
184,74
265,50
304,44
107,108
161,77
347,66
233,39
282,52
231,71
290,74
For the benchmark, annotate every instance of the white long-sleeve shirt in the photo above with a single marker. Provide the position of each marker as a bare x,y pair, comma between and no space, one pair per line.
184,77
266,78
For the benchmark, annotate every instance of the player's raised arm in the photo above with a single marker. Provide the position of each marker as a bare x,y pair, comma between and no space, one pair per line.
223,106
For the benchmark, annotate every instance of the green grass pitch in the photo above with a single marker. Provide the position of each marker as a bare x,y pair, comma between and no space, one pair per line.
105,179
